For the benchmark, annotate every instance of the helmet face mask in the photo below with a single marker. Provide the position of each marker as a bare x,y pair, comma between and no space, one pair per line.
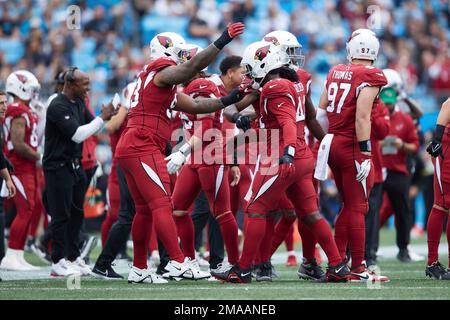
288,43
260,58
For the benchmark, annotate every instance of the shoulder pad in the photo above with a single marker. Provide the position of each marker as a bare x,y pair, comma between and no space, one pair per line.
276,88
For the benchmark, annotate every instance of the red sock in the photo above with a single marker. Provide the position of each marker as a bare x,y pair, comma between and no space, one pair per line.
289,240
141,231
435,226
308,240
186,232
357,237
340,232
166,231
229,229
322,232
254,234
281,230
264,248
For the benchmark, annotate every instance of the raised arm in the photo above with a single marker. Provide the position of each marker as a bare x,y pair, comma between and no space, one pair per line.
181,73
116,121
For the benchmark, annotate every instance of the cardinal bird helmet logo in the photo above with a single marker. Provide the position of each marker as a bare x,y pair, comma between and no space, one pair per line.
22,78
273,40
166,42
261,53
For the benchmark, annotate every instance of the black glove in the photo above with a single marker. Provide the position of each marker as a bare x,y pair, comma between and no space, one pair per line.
233,97
434,148
242,122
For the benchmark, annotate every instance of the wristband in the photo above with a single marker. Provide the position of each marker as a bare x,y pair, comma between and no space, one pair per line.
439,132
365,146
233,97
223,40
185,149
289,151
235,116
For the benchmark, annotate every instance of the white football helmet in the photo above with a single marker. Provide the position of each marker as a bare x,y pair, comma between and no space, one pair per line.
23,84
394,79
363,44
167,44
288,43
262,57
127,93
189,51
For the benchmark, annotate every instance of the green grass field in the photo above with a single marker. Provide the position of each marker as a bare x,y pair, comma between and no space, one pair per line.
407,282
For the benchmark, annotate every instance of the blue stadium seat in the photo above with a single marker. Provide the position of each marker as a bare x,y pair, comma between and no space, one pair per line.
13,50
153,24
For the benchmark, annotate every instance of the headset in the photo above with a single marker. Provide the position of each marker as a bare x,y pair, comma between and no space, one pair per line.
71,74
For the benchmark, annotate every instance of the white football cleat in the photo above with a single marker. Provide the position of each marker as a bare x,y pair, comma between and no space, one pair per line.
63,269
25,263
189,269
367,276
415,256
14,261
80,265
137,275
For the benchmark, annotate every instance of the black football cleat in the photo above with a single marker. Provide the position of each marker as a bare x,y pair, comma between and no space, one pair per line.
264,272
403,256
238,275
105,272
437,271
311,271
338,273
222,271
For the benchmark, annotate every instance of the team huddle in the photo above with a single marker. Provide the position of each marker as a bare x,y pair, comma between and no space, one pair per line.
253,141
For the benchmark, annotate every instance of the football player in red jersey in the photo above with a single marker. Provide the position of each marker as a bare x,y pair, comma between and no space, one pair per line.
350,92
290,173
115,128
21,144
309,269
142,145
440,151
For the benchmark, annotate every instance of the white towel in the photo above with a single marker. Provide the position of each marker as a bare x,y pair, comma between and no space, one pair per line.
4,193
322,158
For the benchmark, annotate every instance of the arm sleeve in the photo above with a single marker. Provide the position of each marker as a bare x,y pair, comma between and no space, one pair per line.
63,119
85,131
283,109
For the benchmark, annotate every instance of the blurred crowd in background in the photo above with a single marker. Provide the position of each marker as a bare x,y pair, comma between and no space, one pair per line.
112,45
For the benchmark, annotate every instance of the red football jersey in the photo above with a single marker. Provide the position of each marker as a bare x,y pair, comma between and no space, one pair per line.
89,157
149,120
278,109
304,79
203,87
402,126
343,84
302,87
16,110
